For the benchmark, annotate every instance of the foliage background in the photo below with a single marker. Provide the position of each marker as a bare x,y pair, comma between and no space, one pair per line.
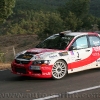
6,7
46,17
27,19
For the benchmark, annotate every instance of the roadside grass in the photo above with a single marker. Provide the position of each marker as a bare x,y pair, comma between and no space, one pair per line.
5,66
13,44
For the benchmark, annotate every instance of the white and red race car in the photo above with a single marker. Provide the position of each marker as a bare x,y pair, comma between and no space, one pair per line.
58,55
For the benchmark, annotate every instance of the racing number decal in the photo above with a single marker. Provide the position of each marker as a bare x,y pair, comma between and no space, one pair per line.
77,54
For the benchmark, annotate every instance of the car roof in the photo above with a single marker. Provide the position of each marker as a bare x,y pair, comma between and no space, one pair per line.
77,33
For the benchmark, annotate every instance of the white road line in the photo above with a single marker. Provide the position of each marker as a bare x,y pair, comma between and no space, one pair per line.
72,92
3,70
86,89
49,97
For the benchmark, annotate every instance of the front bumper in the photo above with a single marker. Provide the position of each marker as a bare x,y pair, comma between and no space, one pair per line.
24,70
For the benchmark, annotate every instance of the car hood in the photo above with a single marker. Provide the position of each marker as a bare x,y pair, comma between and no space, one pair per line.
40,54
37,54
40,50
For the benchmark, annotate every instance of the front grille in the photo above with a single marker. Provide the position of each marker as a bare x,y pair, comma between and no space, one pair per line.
37,71
20,70
22,62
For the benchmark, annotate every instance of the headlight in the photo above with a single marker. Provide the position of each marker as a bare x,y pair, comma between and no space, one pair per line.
39,62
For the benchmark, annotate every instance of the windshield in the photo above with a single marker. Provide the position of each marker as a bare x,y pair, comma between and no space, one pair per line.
55,42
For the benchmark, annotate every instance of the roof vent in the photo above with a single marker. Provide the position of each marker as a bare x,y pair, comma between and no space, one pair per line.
64,32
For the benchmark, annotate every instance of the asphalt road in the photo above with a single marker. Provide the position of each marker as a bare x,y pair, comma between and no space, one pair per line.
77,86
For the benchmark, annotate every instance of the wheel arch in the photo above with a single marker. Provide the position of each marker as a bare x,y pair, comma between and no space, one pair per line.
62,60
65,62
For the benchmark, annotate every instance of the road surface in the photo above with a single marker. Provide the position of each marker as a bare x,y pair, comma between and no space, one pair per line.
83,85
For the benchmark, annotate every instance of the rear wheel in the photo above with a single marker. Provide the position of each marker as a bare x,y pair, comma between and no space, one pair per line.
59,69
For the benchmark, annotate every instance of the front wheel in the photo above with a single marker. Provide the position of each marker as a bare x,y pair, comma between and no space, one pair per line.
59,69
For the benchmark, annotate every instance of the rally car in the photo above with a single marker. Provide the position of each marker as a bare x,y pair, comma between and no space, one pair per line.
60,54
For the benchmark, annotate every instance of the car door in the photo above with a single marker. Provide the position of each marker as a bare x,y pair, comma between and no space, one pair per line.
95,45
80,55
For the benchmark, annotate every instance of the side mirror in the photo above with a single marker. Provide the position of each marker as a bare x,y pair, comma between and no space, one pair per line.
72,48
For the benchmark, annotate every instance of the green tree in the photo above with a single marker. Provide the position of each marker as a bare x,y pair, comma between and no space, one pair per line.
6,7
78,7
50,24
88,22
72,22
98,23
74,12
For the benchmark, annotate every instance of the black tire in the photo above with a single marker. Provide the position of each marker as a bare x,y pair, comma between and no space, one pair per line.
59,69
